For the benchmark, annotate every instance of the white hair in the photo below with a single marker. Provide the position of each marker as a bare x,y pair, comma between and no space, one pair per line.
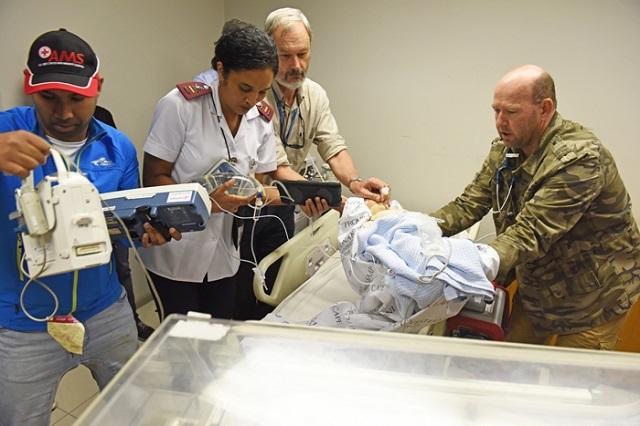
284,18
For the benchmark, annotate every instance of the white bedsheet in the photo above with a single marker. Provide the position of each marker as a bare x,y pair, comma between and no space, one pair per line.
327,286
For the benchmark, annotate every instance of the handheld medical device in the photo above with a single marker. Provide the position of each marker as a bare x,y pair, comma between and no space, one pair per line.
185,207
221,172
61,221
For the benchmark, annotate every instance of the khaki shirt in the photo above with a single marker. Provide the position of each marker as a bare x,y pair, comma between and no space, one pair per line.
314,124
566,228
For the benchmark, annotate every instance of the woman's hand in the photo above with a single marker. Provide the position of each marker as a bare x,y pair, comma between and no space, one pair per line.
222,201
153,237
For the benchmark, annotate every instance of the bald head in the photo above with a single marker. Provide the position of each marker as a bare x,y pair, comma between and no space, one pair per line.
524,103
533,80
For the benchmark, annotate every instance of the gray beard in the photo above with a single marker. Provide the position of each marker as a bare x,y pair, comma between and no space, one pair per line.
290,86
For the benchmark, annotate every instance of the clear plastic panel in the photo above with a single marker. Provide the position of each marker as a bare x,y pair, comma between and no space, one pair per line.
199,372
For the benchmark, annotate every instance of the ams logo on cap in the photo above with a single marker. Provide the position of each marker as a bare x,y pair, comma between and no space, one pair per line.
45,52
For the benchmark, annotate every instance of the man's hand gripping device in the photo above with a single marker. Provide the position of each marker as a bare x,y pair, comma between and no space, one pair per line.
63,227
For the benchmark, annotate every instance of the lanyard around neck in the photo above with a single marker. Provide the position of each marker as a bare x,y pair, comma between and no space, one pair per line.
284,135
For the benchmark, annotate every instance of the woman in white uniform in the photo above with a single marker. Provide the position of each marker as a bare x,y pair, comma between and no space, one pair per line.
194,126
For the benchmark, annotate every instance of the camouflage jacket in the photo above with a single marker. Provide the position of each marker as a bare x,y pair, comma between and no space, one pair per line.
565,228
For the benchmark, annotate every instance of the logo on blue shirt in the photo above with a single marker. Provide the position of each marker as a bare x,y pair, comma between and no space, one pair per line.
102,162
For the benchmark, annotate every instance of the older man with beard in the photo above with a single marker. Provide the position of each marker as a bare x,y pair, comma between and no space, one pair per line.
302,118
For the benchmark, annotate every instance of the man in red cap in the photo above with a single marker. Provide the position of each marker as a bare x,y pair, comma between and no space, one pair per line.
62,77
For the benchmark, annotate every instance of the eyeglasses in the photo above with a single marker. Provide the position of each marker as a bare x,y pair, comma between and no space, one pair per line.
288,122
299,141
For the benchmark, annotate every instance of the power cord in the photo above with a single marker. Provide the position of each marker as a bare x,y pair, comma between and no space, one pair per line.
41,244
256,216
424,280
62,162
136,255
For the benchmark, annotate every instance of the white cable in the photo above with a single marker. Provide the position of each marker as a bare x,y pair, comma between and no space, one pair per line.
315,167
281,188
419,282
352,260
251,217
506,199
62,174
138,258
256,209
490,234
35,279
412,300
255,263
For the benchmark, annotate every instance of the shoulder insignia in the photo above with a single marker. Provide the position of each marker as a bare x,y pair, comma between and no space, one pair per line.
193,89
265,110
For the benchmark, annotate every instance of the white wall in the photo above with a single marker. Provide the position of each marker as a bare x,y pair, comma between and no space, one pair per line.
411,81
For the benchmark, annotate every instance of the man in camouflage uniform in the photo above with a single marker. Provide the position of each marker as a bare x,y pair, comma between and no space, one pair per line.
562,215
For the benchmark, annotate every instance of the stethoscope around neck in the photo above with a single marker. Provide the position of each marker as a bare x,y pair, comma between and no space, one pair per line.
506,166
232,160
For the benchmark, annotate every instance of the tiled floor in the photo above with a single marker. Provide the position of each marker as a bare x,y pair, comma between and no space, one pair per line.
77,388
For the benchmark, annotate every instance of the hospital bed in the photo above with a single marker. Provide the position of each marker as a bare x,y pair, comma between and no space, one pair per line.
311,276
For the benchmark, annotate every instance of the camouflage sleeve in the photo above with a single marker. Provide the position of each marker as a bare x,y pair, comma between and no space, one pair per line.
560,192
473,204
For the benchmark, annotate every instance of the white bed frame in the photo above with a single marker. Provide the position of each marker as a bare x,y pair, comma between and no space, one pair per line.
311,276
301,256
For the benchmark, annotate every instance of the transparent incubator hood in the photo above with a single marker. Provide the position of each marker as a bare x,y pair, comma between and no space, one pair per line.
210,372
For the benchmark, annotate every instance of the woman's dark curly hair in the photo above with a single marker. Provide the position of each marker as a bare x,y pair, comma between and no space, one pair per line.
245,48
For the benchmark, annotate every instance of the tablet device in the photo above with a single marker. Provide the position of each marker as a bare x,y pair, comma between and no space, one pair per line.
299,191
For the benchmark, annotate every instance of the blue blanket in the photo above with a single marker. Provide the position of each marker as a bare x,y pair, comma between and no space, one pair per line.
396,242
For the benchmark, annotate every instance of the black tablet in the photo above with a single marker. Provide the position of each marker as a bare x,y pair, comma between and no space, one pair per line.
299,191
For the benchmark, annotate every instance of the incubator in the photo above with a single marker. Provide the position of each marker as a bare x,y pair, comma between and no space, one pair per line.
196,371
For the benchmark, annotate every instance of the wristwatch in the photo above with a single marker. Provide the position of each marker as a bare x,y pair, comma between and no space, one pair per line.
354,179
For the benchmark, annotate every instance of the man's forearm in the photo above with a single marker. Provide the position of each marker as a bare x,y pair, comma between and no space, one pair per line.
343,167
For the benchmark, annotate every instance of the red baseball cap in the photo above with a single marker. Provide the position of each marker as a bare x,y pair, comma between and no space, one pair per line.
60,60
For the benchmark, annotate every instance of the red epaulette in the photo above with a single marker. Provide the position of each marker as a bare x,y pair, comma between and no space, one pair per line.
193,89
266,110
